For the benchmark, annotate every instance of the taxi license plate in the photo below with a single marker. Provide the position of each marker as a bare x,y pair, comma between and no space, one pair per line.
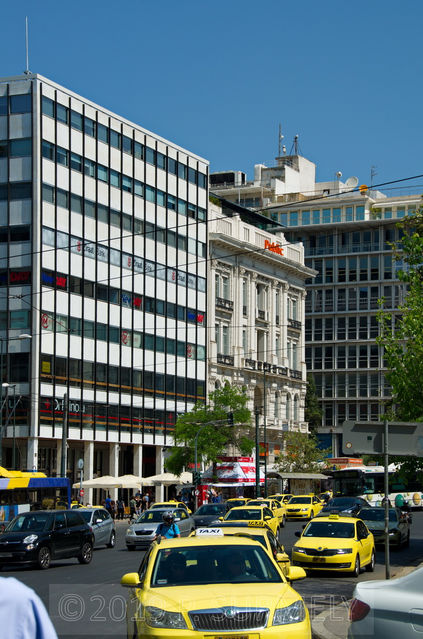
319,560
233,637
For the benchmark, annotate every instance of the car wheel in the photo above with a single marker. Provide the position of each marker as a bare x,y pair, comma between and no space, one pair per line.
112,540
356,571
371,566
44,558
86,553
130,547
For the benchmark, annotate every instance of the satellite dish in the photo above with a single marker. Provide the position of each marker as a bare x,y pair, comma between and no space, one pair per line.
351,182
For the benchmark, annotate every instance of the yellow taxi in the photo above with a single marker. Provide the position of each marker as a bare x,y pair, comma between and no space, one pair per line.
216,587
172,503
303,507
262,534
282,497
255,513
277,508
234,502
335,543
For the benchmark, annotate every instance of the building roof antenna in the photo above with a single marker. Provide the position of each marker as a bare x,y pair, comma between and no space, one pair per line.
27,71
280,138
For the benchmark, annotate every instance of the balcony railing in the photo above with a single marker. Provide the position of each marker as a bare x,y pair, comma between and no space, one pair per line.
265,367
294,324
228,305
228,360
295,374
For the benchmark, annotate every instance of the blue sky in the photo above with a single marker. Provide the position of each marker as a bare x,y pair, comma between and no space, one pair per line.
218,77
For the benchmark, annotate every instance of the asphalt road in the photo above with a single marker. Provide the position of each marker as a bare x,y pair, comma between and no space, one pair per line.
88,601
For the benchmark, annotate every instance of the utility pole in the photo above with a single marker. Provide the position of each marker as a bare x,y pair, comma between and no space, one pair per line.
64,436
386,478
257,415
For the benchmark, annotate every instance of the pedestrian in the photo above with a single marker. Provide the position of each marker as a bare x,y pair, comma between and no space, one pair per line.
113,509
132,507
138,507
120,509
108,504
22,613
145,501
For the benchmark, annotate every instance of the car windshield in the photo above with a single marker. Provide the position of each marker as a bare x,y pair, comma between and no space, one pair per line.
329,529
31,522
377,514
260,503
151,516
339,502
244,515
236,502
212,564
211,509
300,500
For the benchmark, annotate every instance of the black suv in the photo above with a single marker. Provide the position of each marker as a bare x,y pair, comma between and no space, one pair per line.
40,536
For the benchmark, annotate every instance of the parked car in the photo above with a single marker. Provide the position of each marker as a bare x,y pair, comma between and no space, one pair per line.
41,536
102,525
399,526
209,513
351,505
142,531
388,609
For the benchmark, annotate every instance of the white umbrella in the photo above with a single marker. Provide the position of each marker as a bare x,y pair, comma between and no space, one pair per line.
106,481
167,479
132,481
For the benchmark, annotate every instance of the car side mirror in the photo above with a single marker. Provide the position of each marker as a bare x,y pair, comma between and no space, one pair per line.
282,557
220,518
267,517
131,580
297,533
295,573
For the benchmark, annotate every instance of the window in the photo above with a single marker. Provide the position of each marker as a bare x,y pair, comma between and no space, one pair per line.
76,120
62,113
90,127
102,133
76,162
182,171
47,106
115,139
127,145
138,151
48,150
62,156
102,173
20,148
21,103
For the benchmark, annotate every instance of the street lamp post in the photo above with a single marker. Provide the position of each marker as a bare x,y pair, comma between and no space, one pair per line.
257,411
7,386
6,340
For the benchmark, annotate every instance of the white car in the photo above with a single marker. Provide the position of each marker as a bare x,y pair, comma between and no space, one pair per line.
388,609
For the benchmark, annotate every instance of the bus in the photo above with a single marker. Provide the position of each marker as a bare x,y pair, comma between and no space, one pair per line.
21,491
368,482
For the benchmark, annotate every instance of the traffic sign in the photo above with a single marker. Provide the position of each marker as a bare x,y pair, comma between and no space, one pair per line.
404,438
81,492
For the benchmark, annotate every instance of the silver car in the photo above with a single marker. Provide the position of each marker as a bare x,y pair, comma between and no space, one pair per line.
142,531
102,524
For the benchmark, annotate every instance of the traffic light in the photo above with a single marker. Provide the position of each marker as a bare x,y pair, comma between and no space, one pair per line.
196,475
230,417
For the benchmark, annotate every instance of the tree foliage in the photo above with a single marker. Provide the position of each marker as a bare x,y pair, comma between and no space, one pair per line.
401,335
216,434
301,455
313,411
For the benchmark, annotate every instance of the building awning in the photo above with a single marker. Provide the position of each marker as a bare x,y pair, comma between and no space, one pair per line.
282,475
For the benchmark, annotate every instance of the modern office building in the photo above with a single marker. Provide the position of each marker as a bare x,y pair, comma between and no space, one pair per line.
256,318
103,263
346,234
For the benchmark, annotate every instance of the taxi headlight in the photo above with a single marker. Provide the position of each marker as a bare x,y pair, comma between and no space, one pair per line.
295,613
29,539
130,531
303,510
299,549
344,551
158,618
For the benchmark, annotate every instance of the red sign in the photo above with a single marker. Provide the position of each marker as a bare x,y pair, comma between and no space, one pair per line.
81,492
272,246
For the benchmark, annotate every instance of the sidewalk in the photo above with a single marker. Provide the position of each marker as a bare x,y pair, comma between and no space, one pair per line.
333,623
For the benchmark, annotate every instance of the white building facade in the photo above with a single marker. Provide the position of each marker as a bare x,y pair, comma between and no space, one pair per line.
256,319
103,263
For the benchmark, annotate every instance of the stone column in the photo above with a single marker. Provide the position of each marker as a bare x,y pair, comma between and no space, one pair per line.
32,453
159,469
114,467
88,470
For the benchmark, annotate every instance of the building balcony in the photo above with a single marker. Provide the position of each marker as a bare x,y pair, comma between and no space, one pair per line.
294,324
228,360
295,374
265,367
227,305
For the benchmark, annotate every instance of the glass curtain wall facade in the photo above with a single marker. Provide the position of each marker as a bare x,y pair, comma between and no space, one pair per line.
103,260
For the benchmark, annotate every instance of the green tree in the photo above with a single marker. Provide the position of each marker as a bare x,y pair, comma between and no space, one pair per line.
401,335
216,433
313,411
301,455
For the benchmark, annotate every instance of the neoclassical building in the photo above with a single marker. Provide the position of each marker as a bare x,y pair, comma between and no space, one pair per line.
256,317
